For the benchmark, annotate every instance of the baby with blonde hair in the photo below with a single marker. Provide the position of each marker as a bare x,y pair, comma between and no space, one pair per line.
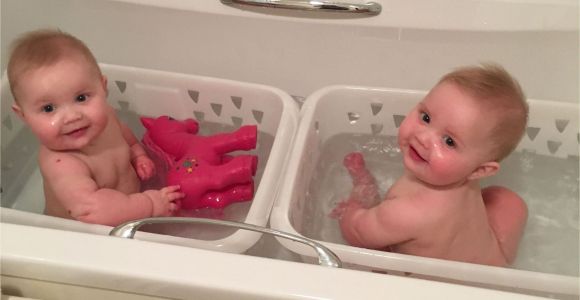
91,163
458,134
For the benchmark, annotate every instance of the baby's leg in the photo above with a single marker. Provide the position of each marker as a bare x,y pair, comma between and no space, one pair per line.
364,189
507,214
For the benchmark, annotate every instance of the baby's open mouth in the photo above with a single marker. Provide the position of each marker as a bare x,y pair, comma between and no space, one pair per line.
415,154
77,132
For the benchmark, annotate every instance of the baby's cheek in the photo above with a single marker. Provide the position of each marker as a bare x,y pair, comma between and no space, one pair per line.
447,171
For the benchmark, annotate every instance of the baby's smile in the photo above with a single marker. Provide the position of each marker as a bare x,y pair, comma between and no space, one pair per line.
415,155
78,132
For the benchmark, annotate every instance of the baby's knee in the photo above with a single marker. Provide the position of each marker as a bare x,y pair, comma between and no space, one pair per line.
496,191
494,196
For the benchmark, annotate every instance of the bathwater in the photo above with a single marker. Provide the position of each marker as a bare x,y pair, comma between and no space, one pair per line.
549,186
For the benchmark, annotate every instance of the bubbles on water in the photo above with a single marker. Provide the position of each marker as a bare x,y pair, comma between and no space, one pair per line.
381,145
526,161
546,221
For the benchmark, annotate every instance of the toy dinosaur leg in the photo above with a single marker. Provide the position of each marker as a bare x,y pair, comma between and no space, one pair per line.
232,194
239,169
227,158
198,180
245,138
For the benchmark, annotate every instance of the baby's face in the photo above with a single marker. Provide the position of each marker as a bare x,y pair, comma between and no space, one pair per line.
445,137
64,104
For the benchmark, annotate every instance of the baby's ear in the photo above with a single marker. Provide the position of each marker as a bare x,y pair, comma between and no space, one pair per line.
16,108
104,83
486,169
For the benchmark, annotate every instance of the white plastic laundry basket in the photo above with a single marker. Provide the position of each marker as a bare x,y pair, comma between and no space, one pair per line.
334,110
219,105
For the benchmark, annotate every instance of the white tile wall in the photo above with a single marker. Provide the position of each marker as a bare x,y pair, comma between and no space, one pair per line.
301,57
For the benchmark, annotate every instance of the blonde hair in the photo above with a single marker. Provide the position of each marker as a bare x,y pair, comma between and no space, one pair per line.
42,48
499,92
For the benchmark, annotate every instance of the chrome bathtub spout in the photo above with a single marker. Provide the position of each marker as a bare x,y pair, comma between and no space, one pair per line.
326,257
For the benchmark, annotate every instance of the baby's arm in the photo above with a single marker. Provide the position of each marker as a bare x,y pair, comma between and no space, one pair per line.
389,223
365,192
143,165
74,188
365,189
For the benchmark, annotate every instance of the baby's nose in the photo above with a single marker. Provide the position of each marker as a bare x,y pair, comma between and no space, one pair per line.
71,114
425,139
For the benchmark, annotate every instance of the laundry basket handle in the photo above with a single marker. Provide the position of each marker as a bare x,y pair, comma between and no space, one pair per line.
370,8
326,257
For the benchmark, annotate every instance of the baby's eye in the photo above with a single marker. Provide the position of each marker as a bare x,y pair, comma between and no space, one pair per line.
47,108
449,141
81,98
425,117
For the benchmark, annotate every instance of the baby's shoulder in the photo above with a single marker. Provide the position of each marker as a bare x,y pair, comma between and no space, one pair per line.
54,163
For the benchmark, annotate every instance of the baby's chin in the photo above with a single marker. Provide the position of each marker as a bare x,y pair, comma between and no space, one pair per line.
434,180
69,144
63,148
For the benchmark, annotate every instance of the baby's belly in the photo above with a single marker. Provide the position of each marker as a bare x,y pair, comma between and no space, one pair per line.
116,173
126,182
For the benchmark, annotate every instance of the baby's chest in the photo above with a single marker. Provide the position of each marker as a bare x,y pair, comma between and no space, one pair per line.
112,168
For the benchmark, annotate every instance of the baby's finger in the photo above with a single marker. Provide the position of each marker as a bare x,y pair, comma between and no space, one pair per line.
336,213
171,188
147,169
176,195
152,169
142,174
177,204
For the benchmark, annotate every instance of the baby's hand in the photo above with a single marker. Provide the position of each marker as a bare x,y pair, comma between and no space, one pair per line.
344,206
144,167
164,201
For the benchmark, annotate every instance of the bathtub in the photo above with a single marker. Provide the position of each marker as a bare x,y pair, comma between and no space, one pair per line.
298,54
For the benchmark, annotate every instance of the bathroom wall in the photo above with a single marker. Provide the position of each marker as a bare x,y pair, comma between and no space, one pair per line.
300,55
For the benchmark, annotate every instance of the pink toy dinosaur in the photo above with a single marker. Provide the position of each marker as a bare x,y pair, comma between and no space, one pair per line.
199,164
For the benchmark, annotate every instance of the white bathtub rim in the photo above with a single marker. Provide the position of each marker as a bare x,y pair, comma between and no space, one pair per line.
177,272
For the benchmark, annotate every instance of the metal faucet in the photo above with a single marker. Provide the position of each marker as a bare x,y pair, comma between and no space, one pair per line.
326,257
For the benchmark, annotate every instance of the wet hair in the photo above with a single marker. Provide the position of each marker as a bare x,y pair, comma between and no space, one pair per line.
44,47
499,93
